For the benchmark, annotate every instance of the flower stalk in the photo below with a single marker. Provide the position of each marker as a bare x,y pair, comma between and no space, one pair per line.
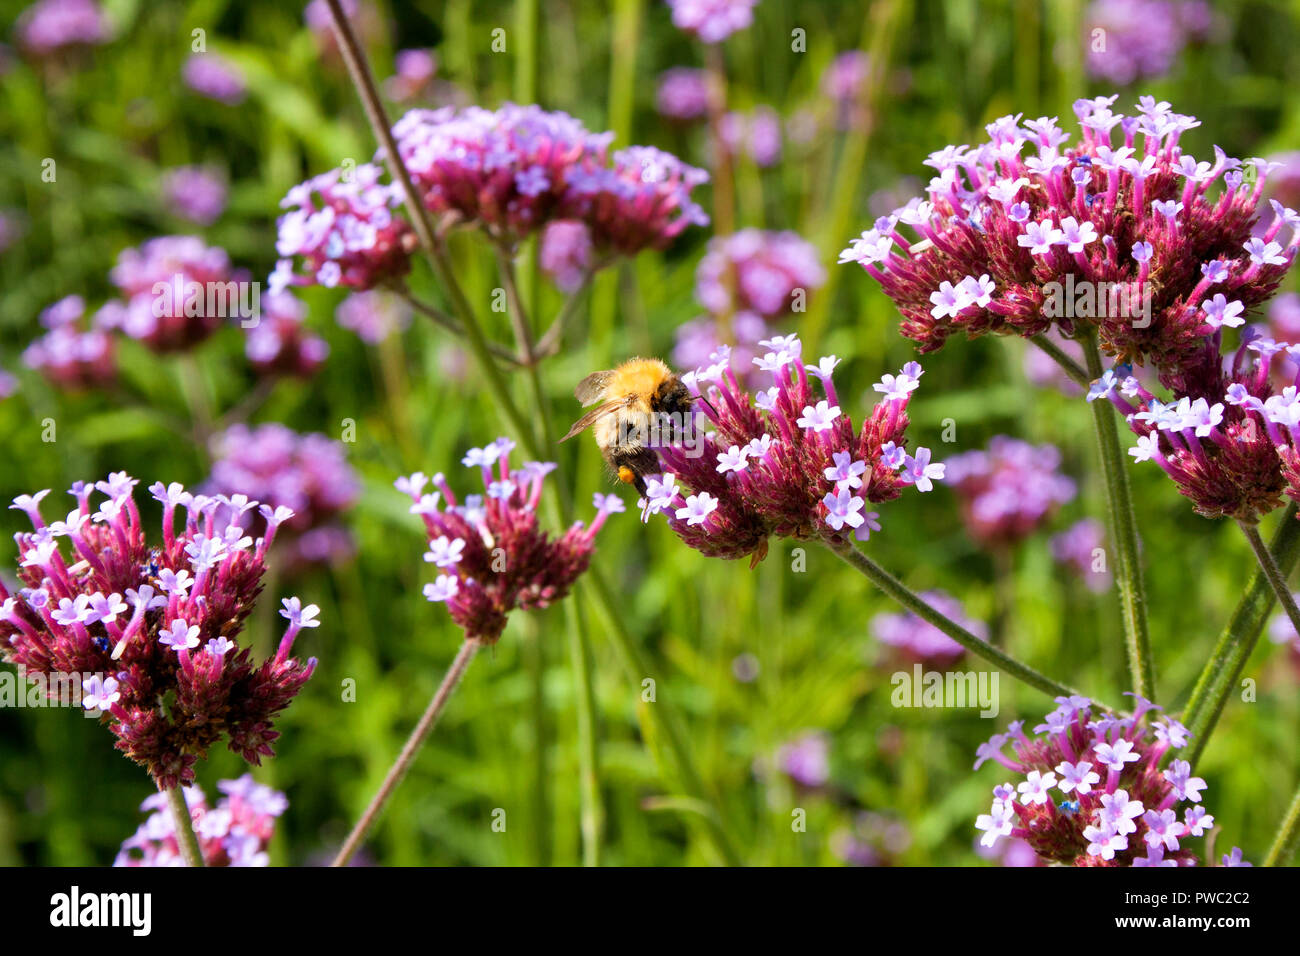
183,824
402,764
1123,522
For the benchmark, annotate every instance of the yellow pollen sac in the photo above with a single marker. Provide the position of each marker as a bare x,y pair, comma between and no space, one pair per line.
626,475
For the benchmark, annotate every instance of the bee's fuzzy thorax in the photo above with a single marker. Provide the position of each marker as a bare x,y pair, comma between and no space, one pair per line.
641,377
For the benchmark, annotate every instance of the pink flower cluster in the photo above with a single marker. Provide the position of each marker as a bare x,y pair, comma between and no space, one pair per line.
1000,233
1009,491
236,832
489,552
772,273
68,356
177,290
918,641
1094,792
156,623
307,475
512,170
280,343
784,462
342,226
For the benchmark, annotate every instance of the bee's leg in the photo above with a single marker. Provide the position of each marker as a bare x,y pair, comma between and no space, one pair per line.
633,464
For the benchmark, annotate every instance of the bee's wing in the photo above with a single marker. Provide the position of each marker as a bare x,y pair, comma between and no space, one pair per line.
591,388
589,419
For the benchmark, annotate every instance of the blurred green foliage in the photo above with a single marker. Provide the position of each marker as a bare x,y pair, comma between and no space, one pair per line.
120,117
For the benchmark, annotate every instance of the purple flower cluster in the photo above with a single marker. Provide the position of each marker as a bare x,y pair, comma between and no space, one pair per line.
1094,793
195,193
1233,446
512,170
342,225
155,623
52,26
176,291
489,553
785,462
307,475
236,832
772,273
215,77
373,315
1008,491
68,356
756,134
280,344
683,94
918,641
1078,547
1140,37
1134,223
874,839
415,70
565,253
699,339
712,21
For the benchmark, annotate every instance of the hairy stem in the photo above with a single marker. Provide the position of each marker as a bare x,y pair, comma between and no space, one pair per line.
183,826
1222,671
909,599
1123,522
1288,836
442,319
404,760
1073,370
1276,579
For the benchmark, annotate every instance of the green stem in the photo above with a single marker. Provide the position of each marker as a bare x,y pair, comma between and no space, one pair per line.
1219,677
1123,522
1288,836
397,772
909,599
1276,579
1073,370
183,826
554,335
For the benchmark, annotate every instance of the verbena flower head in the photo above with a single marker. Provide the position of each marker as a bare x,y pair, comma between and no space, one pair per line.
773,273
1142,37
787,461
1090,790
503,169
489,553
699,339
178,291
756,134
373,315
195,193
236,832
307,475
712,21
68,355
156,623
1231,446
1082,548
642,200
342,227
1011,245
52,26
806,760
1008,491
212,75
915,640
683,94
565,253
280,343
415,70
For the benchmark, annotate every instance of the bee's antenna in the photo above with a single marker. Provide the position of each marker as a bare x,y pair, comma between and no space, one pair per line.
701,398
